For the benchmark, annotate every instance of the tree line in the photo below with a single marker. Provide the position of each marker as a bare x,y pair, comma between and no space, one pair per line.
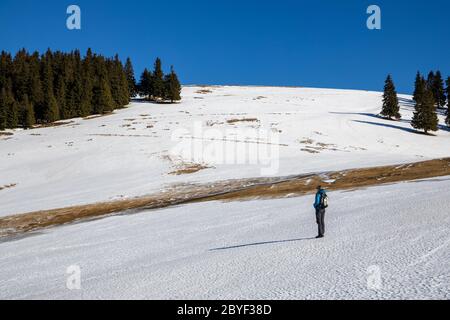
41,89
430,95
155,86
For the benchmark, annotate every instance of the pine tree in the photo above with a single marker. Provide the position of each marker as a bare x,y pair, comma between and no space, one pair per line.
36,94
124,89
50,109
63,106
430,80
74,94
114,80
421,87
6,67
391,107
447,119
10,106
86,105
158,80
425,116
173,87
20,74
118,83
448,92
3,109
27,119
145,83
438,90
129,72
418,89
105,102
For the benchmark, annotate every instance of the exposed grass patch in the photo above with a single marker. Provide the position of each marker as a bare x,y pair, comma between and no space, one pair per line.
53,124
189,168
233,121
204,91
231,190
8,186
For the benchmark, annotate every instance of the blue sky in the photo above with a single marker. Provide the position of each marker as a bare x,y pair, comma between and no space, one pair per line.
323,43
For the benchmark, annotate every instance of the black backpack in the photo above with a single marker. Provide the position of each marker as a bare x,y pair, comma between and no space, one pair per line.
324,201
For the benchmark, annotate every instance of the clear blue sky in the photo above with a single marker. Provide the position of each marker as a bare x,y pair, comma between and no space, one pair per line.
322,43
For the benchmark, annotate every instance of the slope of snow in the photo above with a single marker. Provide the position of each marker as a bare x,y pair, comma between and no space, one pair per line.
247,250
131,152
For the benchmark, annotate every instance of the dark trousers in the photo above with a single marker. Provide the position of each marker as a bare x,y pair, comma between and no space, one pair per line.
320,217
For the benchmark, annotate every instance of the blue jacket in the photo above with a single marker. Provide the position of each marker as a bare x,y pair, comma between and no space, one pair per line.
319,197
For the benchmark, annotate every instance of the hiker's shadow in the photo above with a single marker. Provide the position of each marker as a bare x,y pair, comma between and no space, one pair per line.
261,243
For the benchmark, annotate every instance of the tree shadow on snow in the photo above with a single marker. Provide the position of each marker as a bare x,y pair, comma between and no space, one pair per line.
372,115
261,243
407,102
410,130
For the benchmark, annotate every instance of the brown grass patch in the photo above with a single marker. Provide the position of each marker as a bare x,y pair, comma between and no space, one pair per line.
343,180
6,134
189,169
204,91
231,190
8,186
310,150
53,124
233,121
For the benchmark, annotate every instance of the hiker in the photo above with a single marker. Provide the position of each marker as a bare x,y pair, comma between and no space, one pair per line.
320,204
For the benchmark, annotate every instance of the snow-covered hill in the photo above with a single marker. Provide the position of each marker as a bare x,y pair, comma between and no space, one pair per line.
385,242
134,151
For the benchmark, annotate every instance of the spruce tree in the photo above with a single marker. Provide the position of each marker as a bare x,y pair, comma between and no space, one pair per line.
105,102
50,109
418,87
447,119
21,74
36,94
6,67
11,107
119,83
425,117
438,90
173,87
430,80
114,80
75,92
124,89
391,107
27,118
3,109
157,86
63,106
145,83
129,73
421,87
86,105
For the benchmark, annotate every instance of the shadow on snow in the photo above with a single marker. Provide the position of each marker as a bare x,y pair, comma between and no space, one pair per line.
261,243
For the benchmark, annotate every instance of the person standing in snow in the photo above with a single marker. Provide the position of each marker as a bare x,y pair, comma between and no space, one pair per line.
320,204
